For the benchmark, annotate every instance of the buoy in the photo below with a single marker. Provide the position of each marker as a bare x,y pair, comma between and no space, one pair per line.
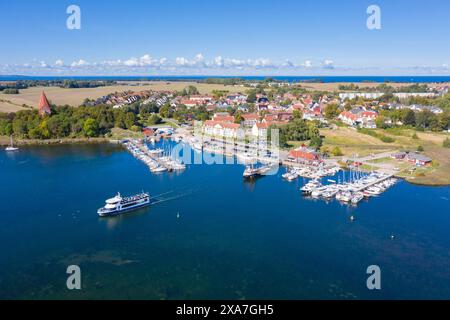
178,215
392,237
352,218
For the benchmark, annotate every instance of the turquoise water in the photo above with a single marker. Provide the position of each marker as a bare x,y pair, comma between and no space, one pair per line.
232,240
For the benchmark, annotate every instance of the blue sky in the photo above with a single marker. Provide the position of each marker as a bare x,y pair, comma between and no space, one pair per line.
245,37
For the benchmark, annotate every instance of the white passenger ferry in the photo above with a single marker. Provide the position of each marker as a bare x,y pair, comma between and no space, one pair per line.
118,205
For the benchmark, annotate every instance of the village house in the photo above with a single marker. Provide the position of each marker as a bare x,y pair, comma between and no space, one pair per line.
250,119
259,130
359,117
262,104
418,159
223,117
297,106
223,129
413,157
312,115
236,99
303,154
189,103
278,117
202,99
148,132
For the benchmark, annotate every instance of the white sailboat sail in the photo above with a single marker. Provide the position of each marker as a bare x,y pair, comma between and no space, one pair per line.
11,146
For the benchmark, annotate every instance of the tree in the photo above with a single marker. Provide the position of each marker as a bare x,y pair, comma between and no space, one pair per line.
218,94
191,90
420,149
11,91
316,142
332,111
297,114
251,98
130,120
44,131
90,128
425,119
19,127
5,127
154,119
336,152
165,111
238,117
409,118
446,143
380,122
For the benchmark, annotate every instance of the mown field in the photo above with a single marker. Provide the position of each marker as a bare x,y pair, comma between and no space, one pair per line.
74,97
352,142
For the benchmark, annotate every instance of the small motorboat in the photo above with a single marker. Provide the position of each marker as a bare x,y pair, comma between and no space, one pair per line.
357,197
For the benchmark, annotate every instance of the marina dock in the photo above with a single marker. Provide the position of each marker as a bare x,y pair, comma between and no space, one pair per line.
156,159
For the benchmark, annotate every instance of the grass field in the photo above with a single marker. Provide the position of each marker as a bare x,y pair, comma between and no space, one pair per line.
352,142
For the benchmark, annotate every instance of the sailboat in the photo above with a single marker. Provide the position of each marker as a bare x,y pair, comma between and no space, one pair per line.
11,146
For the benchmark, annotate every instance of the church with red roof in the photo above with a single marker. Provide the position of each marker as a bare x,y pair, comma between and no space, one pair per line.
44,106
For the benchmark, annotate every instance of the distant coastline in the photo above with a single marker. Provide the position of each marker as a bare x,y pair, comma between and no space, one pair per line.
324,79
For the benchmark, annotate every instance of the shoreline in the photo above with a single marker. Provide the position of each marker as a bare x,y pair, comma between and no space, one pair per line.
36,142
424,184
4,141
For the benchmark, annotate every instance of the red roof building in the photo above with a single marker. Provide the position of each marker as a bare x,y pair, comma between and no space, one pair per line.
304,153
44,106
223,118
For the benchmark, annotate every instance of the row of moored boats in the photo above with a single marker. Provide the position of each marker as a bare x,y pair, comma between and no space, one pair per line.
155,159
310,172
371,186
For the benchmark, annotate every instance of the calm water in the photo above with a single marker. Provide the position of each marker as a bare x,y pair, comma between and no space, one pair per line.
232,240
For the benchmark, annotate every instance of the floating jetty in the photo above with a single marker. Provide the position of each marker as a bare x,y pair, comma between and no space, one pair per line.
155,159
311,172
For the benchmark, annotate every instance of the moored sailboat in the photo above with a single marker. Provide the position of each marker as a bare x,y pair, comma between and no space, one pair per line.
11,146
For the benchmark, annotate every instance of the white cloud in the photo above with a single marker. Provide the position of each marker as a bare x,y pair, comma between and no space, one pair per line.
79,63
201,65
218,61
307,64
132,62
181,61
328,64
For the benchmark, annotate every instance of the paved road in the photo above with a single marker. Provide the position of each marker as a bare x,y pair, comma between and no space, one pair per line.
370,157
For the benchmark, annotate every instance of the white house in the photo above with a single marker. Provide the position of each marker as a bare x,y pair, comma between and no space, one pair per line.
223,129
259,130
